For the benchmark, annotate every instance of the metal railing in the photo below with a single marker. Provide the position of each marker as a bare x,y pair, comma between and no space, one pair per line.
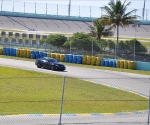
57,9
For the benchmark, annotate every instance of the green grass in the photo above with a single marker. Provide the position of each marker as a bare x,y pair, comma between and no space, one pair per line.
29,92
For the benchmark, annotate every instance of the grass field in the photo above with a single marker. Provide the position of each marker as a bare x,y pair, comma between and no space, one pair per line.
28,92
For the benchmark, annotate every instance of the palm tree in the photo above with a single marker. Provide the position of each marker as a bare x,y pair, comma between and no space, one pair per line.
116,16
98,29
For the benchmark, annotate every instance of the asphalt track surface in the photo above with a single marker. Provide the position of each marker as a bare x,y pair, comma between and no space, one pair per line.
64,26
127,81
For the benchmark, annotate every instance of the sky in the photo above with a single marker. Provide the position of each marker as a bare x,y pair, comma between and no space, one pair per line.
78,7
137,4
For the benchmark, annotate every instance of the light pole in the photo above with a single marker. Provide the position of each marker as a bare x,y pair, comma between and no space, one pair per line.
143,9
92,48
1,5
134,41
69,7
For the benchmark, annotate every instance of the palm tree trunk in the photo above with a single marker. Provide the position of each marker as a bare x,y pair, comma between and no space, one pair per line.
117,40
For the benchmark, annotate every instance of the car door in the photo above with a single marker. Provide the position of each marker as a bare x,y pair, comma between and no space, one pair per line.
45,63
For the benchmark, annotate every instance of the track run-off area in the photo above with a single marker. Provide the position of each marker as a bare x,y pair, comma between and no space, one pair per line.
139,84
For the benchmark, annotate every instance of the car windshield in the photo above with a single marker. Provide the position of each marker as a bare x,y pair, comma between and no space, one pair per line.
52,60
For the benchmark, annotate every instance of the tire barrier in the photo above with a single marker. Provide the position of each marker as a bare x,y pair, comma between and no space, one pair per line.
131,65
62,56
44,54
125,64
102,62
84,59
111,63
18,53
58,57
70,58
53,55
1,51
28,53
121,63
118,64
74,59
78,59
93,61
66,59
88,62
41,54
98,61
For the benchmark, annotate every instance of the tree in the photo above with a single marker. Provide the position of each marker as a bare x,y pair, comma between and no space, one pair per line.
111,44
81,42
98,29
116,16
56,40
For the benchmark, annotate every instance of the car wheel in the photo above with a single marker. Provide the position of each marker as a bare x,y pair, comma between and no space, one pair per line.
52,68
38,65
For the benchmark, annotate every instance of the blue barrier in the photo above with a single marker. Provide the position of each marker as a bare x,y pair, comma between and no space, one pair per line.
66,59
142,66
70,58
79,59
44,54
41,54
102,62
107,63
74,59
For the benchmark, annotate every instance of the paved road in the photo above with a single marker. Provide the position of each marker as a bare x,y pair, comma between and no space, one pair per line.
64,26
131,82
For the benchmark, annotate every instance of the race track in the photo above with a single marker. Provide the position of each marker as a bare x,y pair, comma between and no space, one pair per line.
131,82
139,84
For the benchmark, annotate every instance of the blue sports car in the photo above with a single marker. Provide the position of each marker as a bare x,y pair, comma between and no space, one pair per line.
49,63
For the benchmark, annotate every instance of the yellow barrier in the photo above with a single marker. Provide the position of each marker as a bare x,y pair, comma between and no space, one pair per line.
18,53
118,64
28,53
93,61
21,53
121,63
58,57
62,56
53,55
98,61
88,60
1,51
131,65
125,64
25,53
49,55
84,59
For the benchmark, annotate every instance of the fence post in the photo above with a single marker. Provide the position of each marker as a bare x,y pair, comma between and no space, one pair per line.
24,6
46,8
35,7
90,11
13,6
62,99
57,9
149,108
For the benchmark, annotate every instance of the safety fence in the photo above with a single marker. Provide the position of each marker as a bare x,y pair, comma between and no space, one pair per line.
81,100
57,9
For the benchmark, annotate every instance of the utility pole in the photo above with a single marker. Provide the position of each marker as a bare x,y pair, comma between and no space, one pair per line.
143,10
69,7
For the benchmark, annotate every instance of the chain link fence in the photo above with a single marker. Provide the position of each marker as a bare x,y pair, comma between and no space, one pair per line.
57,9
88,100
127,49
